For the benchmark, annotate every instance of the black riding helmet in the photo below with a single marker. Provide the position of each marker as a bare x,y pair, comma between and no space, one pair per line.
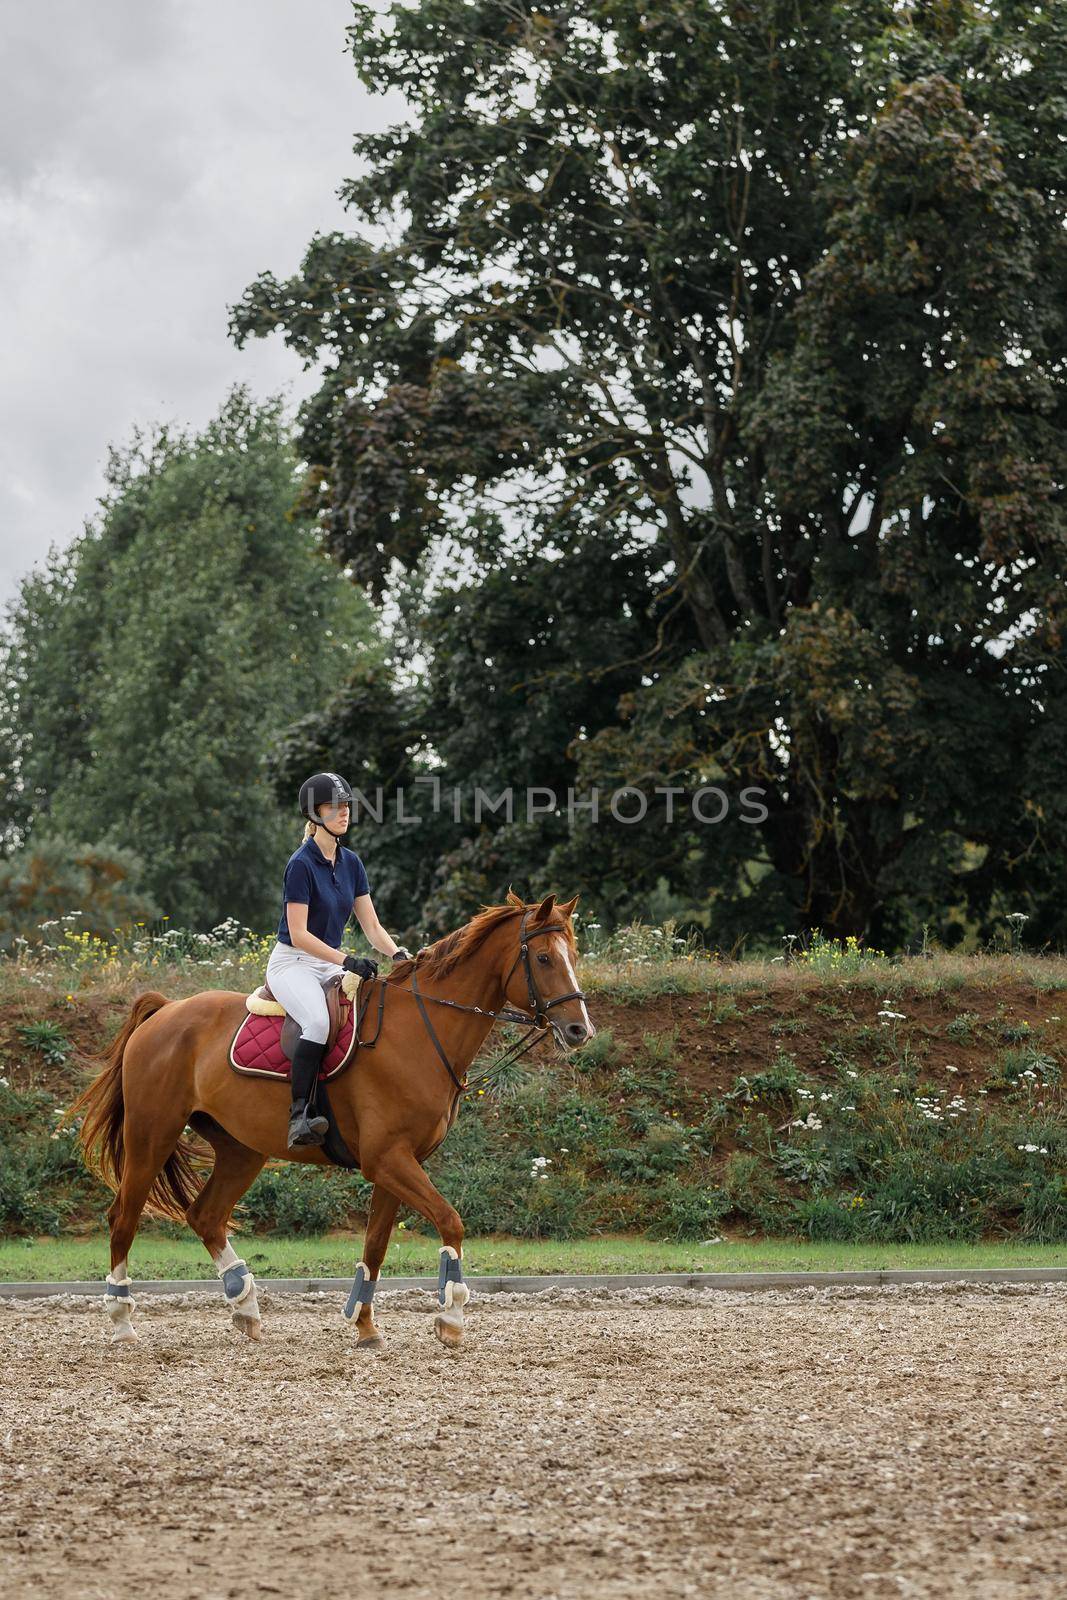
324,789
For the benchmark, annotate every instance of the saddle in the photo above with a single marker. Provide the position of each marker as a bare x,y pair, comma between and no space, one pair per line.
290,1027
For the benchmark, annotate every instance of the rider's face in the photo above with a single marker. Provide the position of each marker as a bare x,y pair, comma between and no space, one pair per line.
335,817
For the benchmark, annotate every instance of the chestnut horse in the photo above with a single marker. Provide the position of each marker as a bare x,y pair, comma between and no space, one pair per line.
169,1068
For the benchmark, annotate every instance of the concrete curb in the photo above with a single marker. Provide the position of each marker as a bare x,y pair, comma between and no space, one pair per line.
490,1284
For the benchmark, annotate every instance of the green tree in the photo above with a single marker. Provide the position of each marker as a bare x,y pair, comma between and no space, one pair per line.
522,658
154,664
781,293
53,878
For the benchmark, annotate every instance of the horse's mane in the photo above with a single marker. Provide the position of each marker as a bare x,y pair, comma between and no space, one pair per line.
437,960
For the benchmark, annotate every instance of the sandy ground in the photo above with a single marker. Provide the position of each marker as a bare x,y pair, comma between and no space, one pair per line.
808,1444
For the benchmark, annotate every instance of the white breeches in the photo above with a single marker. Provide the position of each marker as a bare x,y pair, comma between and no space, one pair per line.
296,979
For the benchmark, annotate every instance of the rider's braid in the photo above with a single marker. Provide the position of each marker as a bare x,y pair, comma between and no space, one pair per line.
309,828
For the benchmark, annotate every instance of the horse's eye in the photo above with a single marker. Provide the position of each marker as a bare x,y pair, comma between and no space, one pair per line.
545,962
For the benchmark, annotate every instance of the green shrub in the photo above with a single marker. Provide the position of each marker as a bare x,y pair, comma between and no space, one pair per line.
499,1075
783,1077
810,1164
656,1050
599,1053
47,1039
664,1147
484,1176
823,1216
683,1211
579,1124
42,1178
748,1184
300,1200
1016,1068
962,1027
553,1208
919,1197
1043,1216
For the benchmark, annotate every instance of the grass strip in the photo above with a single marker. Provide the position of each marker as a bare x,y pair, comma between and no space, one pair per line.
334,1255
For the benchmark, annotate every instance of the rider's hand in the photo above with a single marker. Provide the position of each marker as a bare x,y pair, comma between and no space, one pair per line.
360,966
402,955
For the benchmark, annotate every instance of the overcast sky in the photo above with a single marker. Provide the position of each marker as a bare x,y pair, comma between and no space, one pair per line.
155,155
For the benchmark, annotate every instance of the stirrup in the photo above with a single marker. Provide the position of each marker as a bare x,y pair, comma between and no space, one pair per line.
306,1130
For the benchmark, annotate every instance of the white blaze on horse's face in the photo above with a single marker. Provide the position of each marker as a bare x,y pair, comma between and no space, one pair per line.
560,942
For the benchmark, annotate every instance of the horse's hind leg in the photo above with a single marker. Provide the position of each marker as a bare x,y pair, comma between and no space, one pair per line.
236,1167
144,1158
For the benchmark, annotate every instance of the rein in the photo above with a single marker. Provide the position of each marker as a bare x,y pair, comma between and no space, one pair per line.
538,1006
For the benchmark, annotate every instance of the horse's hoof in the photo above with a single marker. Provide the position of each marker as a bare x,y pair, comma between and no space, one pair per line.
373,1341
450,1333
124,1333
251,1326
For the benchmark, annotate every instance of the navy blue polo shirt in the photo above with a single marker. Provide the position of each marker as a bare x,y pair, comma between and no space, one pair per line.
327,888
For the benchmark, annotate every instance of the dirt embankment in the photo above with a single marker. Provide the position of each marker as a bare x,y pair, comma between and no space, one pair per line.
720,1038
708,1040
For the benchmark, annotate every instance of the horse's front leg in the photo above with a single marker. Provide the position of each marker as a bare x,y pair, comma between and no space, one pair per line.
383,1209
398,1170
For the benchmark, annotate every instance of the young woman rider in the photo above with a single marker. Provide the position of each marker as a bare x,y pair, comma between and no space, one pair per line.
324,883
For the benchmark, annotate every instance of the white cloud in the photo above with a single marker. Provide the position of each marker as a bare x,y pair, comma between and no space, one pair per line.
153,159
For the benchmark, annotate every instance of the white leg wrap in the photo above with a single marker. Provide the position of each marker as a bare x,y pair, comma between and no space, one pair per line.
249,1306
119,1306
452,1296
243,1304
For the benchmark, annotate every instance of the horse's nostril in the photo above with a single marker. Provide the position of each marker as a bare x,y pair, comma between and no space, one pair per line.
575,1032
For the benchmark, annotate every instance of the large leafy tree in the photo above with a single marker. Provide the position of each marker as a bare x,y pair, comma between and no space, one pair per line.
779,293
524,656
151,666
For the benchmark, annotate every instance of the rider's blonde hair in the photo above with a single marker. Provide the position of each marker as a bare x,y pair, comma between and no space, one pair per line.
309,828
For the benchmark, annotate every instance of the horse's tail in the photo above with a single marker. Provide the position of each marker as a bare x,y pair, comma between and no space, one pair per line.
103,1111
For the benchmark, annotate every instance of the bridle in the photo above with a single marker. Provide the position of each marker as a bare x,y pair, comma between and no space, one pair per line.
539,1007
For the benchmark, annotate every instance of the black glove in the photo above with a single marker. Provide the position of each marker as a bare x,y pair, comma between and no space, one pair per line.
402,955
360,966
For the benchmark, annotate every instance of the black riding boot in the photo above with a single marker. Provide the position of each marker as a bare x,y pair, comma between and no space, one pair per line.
304,1128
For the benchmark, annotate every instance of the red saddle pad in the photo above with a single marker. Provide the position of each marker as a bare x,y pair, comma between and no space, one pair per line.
257,1047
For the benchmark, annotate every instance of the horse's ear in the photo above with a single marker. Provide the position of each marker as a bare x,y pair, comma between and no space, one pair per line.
545,909
567,909
514,899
